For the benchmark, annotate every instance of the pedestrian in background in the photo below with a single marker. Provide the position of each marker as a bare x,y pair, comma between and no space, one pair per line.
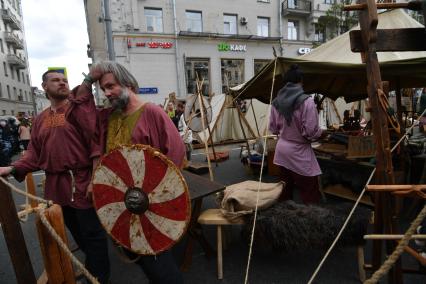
24,133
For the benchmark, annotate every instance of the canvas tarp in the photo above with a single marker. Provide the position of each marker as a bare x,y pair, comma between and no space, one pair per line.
334,71
225,124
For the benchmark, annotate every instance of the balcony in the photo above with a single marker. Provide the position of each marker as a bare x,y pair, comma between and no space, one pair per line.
10,19
16,61
14,40
296,7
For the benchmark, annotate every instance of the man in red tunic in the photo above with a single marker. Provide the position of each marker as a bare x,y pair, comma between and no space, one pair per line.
59,147
130,120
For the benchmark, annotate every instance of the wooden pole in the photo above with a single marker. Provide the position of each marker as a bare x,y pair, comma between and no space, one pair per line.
399,106
14,237
57,264
210,134
384,172
203,122
254,115
242,127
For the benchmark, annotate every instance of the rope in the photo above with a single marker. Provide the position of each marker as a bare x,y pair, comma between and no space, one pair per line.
399,249
342,229
356,204
48,203
29,195
65,248
260,182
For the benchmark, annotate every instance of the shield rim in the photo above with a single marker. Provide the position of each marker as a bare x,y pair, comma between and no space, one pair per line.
155,152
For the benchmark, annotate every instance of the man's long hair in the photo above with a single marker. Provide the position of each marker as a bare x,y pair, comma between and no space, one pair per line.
121,74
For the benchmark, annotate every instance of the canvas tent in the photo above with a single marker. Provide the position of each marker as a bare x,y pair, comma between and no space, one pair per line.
335,71
225,124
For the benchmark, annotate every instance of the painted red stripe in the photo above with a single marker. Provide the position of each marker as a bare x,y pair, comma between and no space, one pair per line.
104,194
118,164
155,238
155,170
176,209
121,229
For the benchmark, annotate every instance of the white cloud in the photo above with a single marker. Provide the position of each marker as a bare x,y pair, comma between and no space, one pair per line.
56,36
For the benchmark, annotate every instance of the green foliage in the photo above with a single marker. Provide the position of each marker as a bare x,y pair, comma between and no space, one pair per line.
336,21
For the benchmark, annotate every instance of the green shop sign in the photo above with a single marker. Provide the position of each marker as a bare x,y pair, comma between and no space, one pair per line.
232,47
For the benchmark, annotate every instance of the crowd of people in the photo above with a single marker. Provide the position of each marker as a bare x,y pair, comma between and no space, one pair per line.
14,137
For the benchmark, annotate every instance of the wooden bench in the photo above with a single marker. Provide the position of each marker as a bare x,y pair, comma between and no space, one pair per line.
215,217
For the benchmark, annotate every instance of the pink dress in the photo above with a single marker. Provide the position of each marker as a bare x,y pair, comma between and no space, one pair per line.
293,150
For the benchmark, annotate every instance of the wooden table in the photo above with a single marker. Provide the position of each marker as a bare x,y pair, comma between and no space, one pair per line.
199,187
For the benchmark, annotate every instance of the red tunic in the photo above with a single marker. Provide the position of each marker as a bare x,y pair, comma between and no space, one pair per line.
153,128
59,145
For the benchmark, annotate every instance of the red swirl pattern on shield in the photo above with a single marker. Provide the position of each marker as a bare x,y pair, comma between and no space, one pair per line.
168,214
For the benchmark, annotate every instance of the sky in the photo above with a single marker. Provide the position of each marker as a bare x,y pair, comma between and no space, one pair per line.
56,36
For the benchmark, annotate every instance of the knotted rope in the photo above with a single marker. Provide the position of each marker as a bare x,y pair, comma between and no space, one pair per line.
51,230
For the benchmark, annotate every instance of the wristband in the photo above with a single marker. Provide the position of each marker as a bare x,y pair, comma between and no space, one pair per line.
88,79
13,170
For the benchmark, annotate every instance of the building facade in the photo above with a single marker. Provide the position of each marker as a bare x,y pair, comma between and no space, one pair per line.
15,86
169,44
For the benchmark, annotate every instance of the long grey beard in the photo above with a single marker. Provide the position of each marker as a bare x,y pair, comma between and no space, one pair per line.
121,102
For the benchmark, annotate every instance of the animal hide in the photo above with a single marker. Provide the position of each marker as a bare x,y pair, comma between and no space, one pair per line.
288,226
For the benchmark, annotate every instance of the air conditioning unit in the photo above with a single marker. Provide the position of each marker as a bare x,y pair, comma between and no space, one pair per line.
243,21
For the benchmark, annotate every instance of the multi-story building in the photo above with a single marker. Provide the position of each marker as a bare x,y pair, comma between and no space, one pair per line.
168,44
15,87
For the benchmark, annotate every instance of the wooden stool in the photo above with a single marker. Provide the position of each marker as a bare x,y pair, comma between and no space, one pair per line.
215,217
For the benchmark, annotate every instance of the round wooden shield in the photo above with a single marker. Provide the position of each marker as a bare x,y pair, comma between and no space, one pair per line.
141,199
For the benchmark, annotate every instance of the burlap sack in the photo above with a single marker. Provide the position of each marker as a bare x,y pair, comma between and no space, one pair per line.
240,198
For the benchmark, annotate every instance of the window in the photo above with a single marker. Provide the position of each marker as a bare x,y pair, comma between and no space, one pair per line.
262,26
18,75
4,112
230,24
1,46
292,30
232,73
12,112
15,93
28,80
319,33
5,69
13,73
8,92
154,20
194,21
259,64
1,91
197,67
26,96
292,4
20,98
328,1
23,77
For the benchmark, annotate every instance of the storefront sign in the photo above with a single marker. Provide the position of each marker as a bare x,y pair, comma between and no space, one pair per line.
146,91
150,44
304,50
232,47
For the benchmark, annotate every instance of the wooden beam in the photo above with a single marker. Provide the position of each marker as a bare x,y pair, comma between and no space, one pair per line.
57,263
14,237
412,39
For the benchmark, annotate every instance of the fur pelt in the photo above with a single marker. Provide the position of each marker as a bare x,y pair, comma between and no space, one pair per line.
288,226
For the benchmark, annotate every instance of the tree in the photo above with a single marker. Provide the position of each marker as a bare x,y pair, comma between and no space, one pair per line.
336,21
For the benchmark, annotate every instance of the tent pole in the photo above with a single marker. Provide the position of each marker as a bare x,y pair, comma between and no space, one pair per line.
210,134
254,115
200,101
242,127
